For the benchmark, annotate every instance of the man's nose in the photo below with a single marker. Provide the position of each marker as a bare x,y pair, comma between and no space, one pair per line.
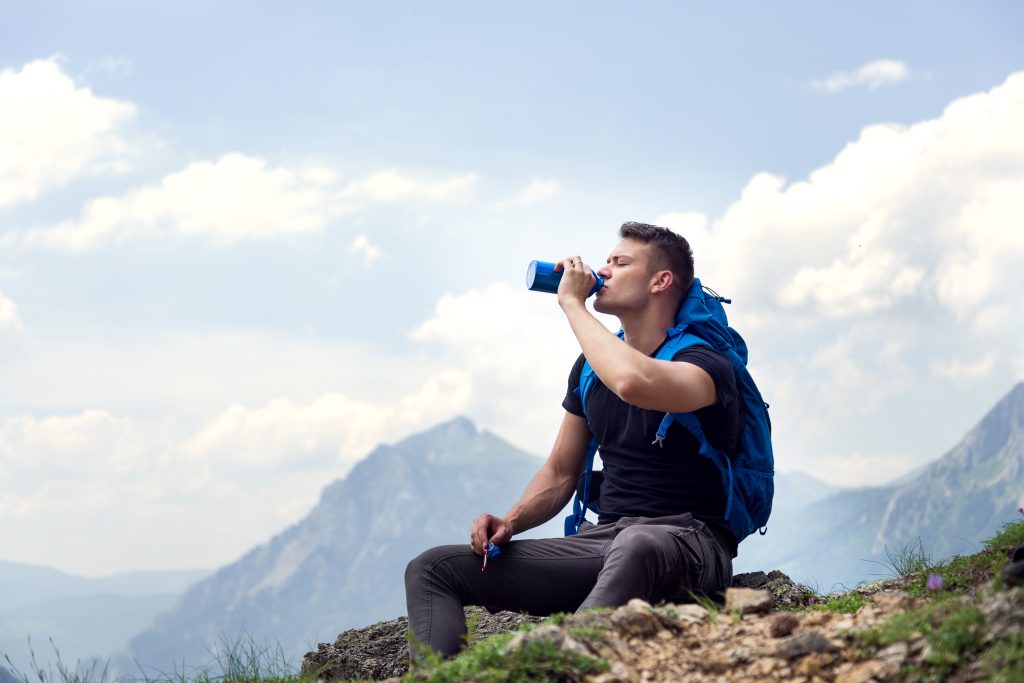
604,271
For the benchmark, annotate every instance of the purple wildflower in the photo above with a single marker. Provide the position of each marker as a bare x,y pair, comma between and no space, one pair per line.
934,582
810,601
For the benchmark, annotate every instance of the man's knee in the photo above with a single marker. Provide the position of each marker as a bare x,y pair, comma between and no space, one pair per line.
643,541
426,565
418,568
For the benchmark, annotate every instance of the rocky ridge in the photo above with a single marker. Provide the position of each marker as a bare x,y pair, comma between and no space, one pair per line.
958,621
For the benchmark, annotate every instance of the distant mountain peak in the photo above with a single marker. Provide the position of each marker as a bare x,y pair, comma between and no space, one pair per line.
459,427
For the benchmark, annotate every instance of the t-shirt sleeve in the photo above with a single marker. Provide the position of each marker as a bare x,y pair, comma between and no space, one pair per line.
716,365
723,420
572,402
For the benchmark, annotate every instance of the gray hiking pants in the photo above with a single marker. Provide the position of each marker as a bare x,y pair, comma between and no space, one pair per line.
660,558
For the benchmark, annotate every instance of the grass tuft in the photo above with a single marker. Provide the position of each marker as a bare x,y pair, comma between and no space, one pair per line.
488,662
909,558
1004,661
846,603
950,618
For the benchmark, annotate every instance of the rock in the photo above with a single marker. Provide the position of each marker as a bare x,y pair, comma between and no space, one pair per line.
750,580
784,592
548,633
893,657
893,601
783,624
378,651
636,619
860,673
814,664
381,651
688,613
803,644
1004,613
747,601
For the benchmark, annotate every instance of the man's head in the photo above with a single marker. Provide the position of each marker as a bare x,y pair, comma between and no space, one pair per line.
665,262
669,251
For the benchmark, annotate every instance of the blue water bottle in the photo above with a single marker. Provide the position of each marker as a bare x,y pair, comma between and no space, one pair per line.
541,276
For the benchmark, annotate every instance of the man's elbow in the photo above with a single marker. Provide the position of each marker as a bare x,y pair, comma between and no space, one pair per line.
632,388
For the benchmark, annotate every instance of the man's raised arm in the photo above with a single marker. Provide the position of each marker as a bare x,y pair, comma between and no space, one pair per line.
546,494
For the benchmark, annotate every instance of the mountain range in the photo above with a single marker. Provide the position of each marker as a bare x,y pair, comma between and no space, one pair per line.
342,565
85,617
946,508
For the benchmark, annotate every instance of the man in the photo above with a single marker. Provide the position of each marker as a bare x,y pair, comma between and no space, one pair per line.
661,534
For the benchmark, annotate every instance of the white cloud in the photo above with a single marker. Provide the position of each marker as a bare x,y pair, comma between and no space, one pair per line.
362,247
52,131
237,198
856,469
234,198
160,488
927,212
873,75
957,369
517,348
394,186
882,282
74,446
535,192
9,320
334,428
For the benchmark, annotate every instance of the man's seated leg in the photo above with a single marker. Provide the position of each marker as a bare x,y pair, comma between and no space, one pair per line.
540,577
660,562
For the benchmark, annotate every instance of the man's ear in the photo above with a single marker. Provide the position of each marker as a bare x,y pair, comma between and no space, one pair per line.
662,281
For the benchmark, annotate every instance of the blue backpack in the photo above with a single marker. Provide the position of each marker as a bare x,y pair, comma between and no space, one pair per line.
747,477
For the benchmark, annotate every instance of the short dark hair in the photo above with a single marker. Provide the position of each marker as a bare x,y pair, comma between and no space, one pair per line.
671,251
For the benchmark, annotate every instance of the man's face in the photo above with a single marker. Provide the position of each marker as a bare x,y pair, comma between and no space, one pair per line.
628,276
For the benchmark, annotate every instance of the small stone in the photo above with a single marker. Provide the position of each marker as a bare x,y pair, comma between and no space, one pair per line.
892,601
765,666
861,673
747,600
691,613
894,656
844,624
814,664
804,643
783,624
636,619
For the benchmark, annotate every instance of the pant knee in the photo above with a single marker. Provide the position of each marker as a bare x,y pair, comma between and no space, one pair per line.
425,566
641,542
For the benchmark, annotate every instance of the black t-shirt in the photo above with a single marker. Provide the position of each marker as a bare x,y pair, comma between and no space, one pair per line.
642,479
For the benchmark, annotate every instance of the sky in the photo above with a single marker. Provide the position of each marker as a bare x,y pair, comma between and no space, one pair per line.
241,244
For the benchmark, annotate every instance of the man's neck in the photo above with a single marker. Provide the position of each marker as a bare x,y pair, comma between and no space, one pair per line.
646,330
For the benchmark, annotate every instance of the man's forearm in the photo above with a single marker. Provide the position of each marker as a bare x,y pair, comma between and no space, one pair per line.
545,495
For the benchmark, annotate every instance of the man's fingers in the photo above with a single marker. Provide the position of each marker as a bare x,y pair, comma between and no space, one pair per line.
481,531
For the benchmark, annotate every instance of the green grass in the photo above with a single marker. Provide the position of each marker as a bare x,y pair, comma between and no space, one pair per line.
707,603
909,558
950,619
489,662
953,630
965,572
846,603
1004,661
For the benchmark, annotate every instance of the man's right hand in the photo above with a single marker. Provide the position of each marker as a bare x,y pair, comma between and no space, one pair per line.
488,529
